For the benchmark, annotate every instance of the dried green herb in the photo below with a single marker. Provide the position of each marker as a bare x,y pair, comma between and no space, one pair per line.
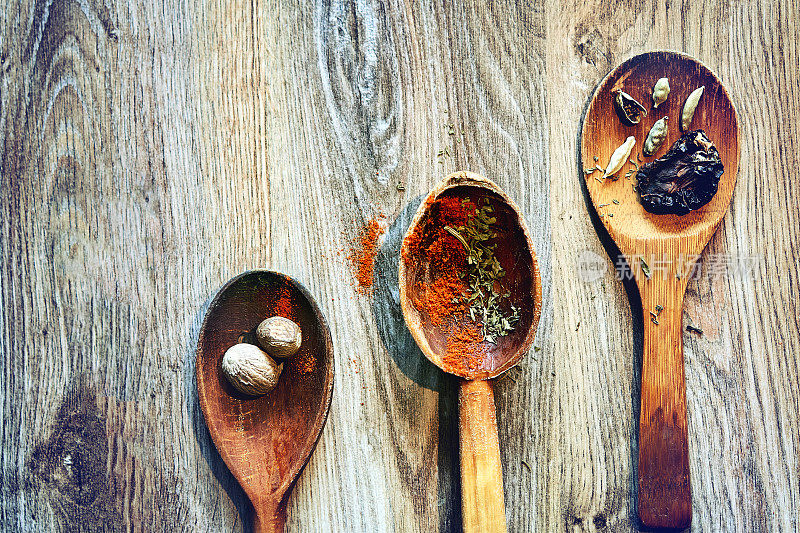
694,329
484,274
400,187
654,315
616,202
645,268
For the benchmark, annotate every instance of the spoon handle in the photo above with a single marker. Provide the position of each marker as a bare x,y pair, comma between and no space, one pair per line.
665,494
482,503
270,517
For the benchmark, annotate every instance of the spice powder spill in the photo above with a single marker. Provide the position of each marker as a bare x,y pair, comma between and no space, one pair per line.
362,256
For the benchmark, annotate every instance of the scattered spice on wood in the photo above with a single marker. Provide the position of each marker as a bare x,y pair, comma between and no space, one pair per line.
654,315
645,268
362,256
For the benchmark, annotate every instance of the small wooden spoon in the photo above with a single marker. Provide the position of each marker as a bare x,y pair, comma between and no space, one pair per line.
669,245
265,441
483,505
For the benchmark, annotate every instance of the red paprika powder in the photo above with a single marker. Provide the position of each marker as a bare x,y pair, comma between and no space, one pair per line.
362,256
440,289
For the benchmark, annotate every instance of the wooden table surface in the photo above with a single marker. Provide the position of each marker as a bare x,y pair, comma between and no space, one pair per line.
152,150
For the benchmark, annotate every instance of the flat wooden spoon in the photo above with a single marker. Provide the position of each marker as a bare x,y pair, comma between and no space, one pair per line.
483,505
265,441
669,246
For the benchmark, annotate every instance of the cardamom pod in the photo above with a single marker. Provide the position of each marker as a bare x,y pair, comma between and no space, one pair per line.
619,157
628,109
689,107
656,137
660,91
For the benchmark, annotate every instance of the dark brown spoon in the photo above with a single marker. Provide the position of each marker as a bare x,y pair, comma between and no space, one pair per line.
266,441
482,501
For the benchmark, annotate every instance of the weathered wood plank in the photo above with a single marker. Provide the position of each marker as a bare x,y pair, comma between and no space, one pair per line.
150,152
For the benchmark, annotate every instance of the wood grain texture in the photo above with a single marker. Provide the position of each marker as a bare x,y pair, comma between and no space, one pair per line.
150,151
483,508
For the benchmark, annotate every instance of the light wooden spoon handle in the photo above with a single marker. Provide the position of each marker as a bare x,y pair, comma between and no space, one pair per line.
270,517
665,494
482,503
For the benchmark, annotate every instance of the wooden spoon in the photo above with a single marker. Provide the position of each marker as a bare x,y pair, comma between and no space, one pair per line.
669,245
265,441
483,505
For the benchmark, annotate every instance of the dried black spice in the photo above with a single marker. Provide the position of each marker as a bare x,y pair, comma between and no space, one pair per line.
684,179
629,110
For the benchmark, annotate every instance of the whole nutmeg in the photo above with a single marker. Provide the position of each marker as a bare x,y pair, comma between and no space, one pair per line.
279,336
250,370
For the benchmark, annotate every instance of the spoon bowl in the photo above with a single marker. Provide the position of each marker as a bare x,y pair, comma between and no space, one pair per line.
483,505
661,251
265,441
522,280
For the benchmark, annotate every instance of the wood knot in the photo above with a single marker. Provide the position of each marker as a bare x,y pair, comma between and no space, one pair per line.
71,464
600,521
590,46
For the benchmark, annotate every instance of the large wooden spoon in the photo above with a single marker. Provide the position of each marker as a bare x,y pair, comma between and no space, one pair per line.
669,246
483,505
265,441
